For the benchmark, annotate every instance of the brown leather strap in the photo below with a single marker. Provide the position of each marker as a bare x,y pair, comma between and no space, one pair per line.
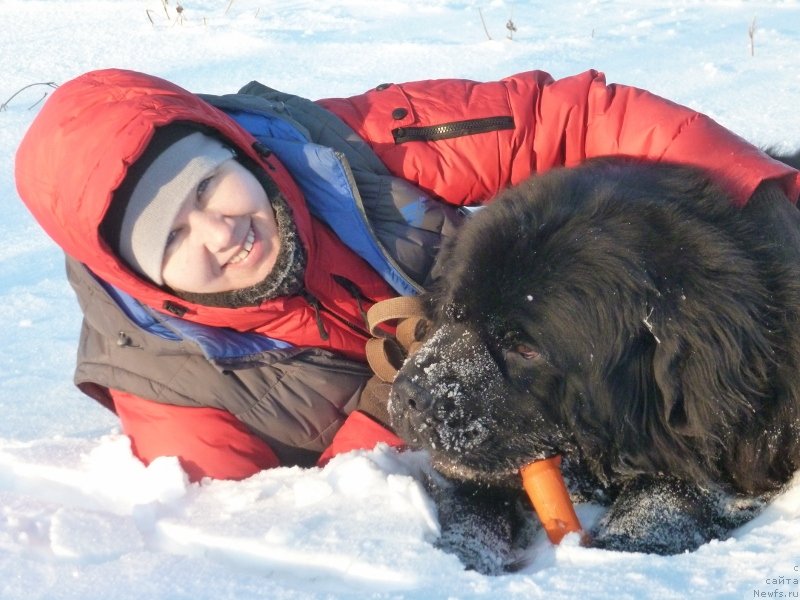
386,355
385,358
401,307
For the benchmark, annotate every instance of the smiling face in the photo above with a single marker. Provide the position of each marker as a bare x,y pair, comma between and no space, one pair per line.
224,236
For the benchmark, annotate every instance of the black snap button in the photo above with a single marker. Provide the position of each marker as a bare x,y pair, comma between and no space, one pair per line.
383,86
399,113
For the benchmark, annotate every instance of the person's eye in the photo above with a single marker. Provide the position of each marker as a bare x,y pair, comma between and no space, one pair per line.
173,235
202,188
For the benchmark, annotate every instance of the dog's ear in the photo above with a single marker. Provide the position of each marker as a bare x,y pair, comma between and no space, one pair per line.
631,380
666,370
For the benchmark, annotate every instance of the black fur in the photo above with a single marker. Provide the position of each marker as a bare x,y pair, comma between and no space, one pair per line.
627,317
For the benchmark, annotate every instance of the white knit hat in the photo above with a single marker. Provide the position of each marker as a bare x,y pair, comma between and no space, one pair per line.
158,195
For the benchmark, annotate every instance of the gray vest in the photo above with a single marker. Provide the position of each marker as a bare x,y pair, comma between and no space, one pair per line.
294,399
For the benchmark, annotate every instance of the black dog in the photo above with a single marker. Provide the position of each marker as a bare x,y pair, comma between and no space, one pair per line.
626,317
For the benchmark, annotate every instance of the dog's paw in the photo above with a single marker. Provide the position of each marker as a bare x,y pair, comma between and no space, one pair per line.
659,516
487,529
478,548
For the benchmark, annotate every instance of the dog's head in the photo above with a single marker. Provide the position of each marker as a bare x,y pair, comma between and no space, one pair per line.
562,322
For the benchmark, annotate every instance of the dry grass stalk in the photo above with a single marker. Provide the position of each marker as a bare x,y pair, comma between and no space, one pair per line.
51,84
485,29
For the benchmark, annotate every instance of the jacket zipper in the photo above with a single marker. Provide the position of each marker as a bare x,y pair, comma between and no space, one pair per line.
351,181
353,290
432,133
318,308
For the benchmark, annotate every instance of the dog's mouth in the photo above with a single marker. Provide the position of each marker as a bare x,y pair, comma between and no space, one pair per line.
479,451
470,452
456,469
426,433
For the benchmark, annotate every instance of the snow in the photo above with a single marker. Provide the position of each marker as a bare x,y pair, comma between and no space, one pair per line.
80,517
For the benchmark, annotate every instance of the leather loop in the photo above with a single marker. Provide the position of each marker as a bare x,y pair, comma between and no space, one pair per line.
386,355
401,307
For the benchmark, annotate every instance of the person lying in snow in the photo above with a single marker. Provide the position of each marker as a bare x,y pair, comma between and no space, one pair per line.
224,249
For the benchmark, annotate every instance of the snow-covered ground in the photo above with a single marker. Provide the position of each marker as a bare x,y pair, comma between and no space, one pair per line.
81,518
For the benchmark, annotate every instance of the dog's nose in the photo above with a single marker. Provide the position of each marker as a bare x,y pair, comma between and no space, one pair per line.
411,396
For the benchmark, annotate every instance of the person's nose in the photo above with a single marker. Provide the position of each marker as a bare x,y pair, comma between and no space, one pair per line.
212,229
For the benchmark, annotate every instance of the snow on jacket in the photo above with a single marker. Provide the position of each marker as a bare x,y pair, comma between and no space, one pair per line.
458,141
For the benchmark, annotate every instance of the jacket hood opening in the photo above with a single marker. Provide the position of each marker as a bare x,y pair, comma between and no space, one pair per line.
80,148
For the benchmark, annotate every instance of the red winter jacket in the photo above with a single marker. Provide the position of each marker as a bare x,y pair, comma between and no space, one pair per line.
462,141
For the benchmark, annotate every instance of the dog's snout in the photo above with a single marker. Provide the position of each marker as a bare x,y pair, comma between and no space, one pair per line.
410,395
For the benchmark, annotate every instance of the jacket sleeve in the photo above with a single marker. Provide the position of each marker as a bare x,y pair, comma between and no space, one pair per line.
466,141
208,441
211,442
359,432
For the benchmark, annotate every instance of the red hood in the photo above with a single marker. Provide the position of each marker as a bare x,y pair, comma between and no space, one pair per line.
77,152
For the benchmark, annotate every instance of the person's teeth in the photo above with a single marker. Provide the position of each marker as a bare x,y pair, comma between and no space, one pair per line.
247,247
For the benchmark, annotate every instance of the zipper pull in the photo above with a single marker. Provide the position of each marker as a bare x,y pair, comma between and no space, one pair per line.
353,290
316,306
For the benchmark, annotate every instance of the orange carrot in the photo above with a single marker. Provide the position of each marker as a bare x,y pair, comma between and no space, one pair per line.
545,487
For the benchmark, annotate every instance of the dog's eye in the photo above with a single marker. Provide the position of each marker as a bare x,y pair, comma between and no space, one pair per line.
527,352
